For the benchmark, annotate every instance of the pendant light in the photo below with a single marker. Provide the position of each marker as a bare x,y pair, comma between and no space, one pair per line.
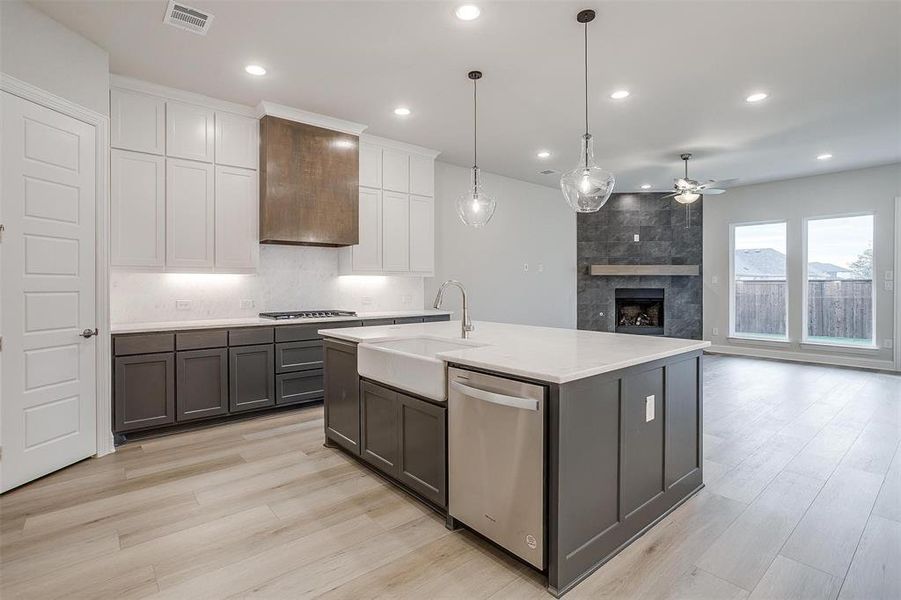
474,206
588,186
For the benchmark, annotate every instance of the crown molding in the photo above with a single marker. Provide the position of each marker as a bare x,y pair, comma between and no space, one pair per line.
281,111
396,145
139,85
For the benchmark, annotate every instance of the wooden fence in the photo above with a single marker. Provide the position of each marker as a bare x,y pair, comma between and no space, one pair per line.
840,308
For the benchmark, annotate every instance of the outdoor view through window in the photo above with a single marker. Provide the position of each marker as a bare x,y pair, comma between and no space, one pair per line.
759,285
840,280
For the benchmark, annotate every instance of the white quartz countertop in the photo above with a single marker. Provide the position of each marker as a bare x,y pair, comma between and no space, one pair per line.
541,353
257,321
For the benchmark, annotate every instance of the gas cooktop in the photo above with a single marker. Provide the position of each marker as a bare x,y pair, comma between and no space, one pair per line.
307,314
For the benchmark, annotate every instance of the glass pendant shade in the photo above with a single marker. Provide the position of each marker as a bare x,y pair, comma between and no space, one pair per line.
588,186
475,207
686,197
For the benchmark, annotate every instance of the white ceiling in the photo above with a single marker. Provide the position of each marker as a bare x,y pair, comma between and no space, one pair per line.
833,71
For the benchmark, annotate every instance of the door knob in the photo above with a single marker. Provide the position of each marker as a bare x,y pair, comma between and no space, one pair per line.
89,333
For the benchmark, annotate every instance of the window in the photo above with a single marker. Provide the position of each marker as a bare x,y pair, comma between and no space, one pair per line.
839,304
759,289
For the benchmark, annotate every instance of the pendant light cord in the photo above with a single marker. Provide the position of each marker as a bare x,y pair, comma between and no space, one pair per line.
586,95
475,126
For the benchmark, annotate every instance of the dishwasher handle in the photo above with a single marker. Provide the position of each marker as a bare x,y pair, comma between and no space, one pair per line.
494,397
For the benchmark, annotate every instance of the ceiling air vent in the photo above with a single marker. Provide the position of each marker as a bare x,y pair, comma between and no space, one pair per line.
548,172
187,18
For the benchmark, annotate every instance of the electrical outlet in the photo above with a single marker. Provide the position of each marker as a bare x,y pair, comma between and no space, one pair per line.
888,343
889,285
714,280
649,409
247,304
525,268
636,238
889,275
182,305
366,300
716,331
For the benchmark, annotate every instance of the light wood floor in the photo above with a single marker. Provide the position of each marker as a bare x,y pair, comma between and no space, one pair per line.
803,500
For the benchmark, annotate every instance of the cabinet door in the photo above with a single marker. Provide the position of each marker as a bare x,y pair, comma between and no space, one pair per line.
189,214
422,234
189,131
237,213
395,171
421,451
395,231
367,255
422,175
379,432
137,121
201,388
137,209
144,391
251,377
370,166
642,439
342,395
237,140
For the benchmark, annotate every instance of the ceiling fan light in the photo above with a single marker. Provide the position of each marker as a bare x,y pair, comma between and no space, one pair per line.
687,197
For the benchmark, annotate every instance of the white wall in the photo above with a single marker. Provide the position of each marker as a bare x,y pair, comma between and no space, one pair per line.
532,225
40,51
863,190
289,278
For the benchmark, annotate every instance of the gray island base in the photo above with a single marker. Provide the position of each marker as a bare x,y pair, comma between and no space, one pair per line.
623,448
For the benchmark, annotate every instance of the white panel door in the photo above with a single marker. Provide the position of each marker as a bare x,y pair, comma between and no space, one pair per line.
422,234
395,231
237,214
237,140
370,166
395,170
422,175
367,255
137,209
189,214
137,121
190,131
47,413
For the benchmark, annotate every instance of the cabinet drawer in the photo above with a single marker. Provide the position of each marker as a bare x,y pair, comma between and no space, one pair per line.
405,320
298,356
295,333
435,318
303,386
144,343
249,337
377,322
197,340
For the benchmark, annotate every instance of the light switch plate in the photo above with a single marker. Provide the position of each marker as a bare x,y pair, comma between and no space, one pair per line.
182,305
636,238
649,408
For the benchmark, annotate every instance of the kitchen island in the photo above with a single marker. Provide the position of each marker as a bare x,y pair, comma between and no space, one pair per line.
618,446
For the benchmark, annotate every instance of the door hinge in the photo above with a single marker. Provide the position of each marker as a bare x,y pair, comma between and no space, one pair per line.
2,229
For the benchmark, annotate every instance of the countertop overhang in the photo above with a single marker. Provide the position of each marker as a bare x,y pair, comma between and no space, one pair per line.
545,354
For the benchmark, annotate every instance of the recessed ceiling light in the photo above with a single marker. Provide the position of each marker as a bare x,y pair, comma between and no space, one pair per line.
646,186
620,94
825,156
255,70
544,154
467,12
402,111
757,97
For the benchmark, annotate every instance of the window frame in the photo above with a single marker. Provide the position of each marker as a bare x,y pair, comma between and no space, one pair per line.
750,337
805,285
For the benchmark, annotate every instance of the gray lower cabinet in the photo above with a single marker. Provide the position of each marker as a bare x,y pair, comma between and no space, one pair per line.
251,377
298,356
299,387
144,391
379,427
201,388
342,395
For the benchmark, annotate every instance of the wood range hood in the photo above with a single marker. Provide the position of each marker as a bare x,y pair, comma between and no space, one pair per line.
309,177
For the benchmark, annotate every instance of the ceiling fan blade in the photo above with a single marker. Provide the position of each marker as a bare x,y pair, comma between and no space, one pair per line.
713,191
670,195
681,183
717,182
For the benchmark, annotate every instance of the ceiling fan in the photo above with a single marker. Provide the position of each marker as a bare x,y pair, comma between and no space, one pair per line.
688,190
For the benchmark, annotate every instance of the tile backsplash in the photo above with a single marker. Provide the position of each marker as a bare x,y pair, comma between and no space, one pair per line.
289,278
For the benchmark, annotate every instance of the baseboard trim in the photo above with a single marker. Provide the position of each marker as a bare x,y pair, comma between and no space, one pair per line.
804,357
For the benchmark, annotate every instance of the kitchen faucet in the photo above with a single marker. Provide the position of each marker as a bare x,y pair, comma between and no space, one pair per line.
465,324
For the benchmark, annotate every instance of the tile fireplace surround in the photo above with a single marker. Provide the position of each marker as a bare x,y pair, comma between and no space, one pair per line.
607,238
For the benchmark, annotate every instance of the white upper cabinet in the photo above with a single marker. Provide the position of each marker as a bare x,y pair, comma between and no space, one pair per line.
370,166
422,234
190,131
237,216
367,255
237,140
137,121
395,170
137,209
189,214
395,231
422,175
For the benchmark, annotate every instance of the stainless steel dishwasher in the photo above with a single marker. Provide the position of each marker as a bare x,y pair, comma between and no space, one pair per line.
496,460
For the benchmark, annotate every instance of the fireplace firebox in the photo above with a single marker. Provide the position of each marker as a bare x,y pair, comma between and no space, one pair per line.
639,311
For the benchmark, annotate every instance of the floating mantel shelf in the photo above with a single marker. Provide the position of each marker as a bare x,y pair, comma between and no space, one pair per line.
661,270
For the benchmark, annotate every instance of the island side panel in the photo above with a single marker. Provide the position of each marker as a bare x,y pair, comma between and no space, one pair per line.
597,431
